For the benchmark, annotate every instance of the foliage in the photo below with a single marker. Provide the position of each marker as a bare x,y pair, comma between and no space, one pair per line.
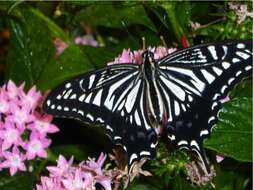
27,53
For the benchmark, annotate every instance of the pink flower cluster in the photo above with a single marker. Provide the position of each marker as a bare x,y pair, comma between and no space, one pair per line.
128,56
86,40
66,176
23,129
61,45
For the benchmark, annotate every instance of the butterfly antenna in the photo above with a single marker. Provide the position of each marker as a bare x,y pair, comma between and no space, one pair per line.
143,43
163,41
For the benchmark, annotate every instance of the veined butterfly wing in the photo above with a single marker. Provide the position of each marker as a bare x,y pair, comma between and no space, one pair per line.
113,98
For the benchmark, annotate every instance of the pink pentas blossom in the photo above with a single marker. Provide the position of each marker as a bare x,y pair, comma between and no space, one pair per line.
36,146
49,184
43,125
13,160
20,115
10,135
95,166
78,181
62,168
224,100
219,158
86,40
60,45
32,98
12,91
128,56
4,106
23,128
104,181
84,176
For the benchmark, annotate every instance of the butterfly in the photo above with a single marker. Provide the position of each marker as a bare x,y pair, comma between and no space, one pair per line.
181,93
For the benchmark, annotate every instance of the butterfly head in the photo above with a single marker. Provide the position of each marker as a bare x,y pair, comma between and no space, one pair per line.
149,62
148,57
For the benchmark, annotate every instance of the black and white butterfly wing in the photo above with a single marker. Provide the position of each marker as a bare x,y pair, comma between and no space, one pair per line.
189,83
114,98
193,82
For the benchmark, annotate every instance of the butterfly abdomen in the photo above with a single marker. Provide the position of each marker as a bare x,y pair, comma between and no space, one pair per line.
154,101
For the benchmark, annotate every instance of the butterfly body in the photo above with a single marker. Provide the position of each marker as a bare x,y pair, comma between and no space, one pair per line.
154,102
181,92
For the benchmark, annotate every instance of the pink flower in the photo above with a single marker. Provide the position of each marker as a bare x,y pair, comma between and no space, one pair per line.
226,99
22,127
104,181
95,166
20,115
32,98
84,176
49,184
10,136
14,161
160,52
60,46
86,40
12,91
4,106
36,146
128,56
79,181
63,166
43,125
219,158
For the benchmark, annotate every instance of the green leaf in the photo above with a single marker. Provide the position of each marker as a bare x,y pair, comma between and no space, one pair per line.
232,136
30,49
244,89
20,181
230,180
143,187
100,56
115,15
180,183
54,28
8,7
79,3
72,62
173,20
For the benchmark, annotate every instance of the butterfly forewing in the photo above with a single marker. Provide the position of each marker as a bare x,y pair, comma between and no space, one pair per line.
114,98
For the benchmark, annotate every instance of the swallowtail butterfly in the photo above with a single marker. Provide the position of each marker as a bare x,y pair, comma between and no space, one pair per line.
181,92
